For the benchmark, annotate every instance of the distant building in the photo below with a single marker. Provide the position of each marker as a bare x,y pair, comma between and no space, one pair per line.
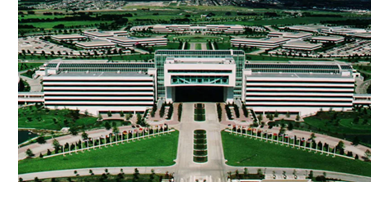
132,42
68,37
175,28
105,34
301,46
327,39
290,35
96,44
260,43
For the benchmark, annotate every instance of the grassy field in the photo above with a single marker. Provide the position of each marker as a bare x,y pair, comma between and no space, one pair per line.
198,46
159,151
50,25
169,45
26,66
32,117
240,151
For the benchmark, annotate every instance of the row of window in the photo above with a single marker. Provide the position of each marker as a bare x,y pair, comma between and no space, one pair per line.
249,81
73,105
98,100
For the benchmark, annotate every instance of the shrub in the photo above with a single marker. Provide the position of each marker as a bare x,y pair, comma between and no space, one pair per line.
180,108
170,112
219,109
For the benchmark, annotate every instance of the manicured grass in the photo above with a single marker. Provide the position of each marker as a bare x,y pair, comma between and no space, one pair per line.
241,151
326,122
198,46
168,46
26,66
39,118
50,25
158,151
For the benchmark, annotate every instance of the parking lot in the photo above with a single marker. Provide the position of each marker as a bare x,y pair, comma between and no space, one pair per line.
35,45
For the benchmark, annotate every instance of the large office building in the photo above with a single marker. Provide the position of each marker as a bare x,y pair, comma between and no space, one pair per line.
259,43
132,42
290,35
176,28
304,87
198,76
301,46
104,34
68,37
98,86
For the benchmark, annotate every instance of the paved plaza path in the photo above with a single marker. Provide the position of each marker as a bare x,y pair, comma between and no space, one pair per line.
187,169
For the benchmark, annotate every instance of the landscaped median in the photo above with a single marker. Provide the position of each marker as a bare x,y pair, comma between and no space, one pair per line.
154,151
243,151
200,146
199,112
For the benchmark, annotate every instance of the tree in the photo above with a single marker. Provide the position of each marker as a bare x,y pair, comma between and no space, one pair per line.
73,130
100,117
109,114
297,118
41,139
356,120
312,136
340,145
128,116
84,135
48,152
41,155
139,118
56,144
107,126
29,153
36,179
276,114
115,130
290,126
136,174
368,154
356,141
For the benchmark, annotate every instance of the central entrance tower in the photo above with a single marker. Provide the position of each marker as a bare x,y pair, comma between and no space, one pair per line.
215,73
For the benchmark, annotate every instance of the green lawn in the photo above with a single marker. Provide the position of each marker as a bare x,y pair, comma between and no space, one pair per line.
32,117
198,46
325,122
26,66
50,25
158,151
241,151
168,46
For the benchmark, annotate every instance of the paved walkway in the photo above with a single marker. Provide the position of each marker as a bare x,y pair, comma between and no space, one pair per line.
188,170
34,83
362,87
